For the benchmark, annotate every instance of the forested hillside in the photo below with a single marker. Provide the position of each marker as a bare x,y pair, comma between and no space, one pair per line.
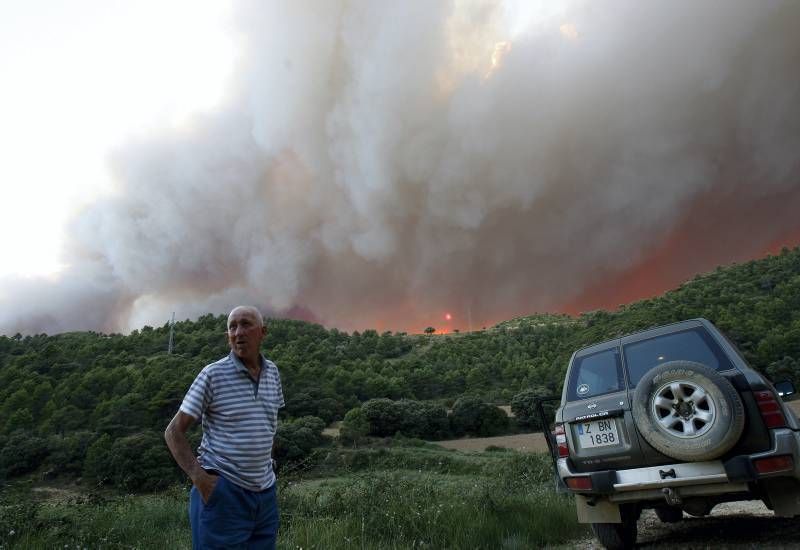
95,405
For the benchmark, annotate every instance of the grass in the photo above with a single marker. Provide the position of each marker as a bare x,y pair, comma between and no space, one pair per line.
387,498
397,510
123,521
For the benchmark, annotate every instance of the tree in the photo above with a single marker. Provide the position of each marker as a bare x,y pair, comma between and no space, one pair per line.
21,453
97,465
429,330
355,426
474,417
68,451
142,462
524,409
296,438
787,368
384,417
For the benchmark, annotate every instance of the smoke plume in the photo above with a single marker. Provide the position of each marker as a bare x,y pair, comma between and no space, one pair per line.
380,164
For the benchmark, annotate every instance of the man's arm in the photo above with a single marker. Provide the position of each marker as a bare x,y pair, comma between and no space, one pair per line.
175,435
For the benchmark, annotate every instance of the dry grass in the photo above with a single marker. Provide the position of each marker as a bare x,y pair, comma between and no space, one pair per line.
333,429
507,409
527,443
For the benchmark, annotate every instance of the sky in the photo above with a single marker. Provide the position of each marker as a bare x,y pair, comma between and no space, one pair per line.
370,165
79,79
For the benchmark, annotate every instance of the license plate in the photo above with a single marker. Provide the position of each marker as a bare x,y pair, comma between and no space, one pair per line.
597,433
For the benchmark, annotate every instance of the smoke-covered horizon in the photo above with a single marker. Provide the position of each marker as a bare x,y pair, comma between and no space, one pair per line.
380,165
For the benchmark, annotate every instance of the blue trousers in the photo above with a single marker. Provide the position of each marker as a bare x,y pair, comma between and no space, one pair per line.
234,518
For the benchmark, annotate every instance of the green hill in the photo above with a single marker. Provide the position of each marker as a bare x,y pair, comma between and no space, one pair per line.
71,402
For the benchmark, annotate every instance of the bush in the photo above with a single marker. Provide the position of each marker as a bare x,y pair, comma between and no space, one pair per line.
406,416
97,466
787,368
354,427
304,404
474,417
424,420
296,438
22,453
524,409
384,417
67,452
139,462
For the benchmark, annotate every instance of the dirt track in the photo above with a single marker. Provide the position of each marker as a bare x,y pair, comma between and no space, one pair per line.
732,525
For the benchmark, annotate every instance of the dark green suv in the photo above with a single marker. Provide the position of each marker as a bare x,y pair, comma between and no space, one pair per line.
672,419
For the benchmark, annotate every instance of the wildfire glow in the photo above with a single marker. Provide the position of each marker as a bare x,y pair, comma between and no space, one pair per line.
501,49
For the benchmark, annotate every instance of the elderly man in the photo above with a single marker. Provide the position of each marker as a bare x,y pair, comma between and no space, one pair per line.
233,502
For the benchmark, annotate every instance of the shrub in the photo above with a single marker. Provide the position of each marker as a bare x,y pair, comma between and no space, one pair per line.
523,405
354,427
474,417
304,404
97,466
21,453
139,462
384,417
787,368
406,416
296,438
67,452
424,420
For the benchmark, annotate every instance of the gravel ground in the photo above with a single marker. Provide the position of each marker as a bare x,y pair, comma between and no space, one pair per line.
746,524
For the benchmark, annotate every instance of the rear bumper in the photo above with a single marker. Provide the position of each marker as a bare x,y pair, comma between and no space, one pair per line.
715,477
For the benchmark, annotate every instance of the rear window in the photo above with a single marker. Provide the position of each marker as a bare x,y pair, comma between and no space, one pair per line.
688,345
595,374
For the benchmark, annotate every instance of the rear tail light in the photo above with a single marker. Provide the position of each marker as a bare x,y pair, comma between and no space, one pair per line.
561,441
581,483
770,409
774,464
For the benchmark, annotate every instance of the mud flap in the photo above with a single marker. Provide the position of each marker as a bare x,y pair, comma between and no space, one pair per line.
600,511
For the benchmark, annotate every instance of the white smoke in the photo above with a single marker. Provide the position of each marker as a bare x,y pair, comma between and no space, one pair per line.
383,163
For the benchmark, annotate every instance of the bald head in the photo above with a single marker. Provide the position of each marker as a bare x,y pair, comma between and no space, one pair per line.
246,330
246,310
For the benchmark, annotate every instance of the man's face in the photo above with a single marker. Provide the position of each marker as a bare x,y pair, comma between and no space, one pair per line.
245,333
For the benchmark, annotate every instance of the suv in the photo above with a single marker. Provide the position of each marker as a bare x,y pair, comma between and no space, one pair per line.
675,420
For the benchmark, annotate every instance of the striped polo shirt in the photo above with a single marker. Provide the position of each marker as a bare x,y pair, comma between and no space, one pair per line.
240,417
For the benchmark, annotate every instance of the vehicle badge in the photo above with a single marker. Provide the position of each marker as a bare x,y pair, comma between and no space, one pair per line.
591,406
583,389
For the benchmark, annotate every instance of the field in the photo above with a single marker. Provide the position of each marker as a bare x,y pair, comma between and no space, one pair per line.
527,443
395,495
411,495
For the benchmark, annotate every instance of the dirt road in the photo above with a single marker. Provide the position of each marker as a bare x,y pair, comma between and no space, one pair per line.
732,525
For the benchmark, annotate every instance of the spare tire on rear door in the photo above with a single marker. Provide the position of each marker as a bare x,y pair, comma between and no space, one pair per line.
688,411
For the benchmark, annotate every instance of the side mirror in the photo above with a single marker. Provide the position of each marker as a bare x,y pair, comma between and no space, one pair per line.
784,388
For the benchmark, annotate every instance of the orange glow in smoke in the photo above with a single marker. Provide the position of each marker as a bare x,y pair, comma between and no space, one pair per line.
448,317
694,246
499,52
